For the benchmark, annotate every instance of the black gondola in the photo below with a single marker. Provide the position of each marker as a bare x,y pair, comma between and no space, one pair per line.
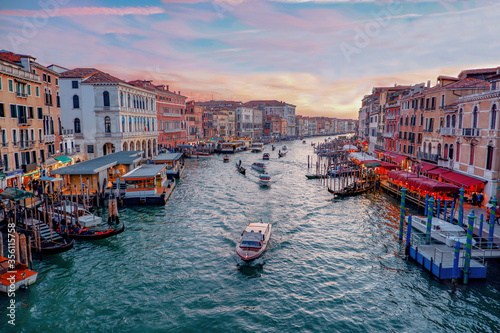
96,234
240,169
53,247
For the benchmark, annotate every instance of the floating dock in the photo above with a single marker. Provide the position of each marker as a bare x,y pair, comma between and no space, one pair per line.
438,259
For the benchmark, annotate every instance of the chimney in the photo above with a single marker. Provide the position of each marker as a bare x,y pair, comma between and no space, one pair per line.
167,87
428,83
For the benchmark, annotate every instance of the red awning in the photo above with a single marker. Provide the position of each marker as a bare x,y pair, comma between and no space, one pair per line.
377,151
388,166
461,180
399,158
424,167
438,171
401,175
432,185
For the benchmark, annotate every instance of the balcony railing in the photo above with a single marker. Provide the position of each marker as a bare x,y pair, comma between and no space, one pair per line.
388,135
471,132
28,144
447,131
445,163
428,156
390,117
21,95
24,122
49,138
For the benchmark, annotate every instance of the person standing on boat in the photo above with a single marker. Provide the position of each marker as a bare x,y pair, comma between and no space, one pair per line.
240,163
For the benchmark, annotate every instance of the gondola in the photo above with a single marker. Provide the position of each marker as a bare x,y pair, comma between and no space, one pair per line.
316,176
350,191
54,247
240,169
90,234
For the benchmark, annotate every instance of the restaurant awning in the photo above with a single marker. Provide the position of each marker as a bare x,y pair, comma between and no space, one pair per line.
461,180
50,161
31,173
424,167
377,151
388,166
432,185
2,175
399,158
437,171
64,159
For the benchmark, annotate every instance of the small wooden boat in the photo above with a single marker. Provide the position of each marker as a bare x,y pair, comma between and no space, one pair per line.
67,211
94,233
273,148
313,143
316,176
253,241
351,191
304,141
257,147
226,158
261,167
265,179
284,148
281,153
265,156
240,169
51,242
14,275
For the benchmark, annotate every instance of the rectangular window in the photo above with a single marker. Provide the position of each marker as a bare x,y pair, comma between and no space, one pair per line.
30,112
433,103
6,161
39,113
74,84
14,137
0,83
44,77
90,149
29,89
42,155
37,91
2,111
40,136
13,111
57,81
16,159
48,78
489,157
11,85
442,101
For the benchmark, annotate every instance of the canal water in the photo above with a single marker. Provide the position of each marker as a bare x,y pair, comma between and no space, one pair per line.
332,266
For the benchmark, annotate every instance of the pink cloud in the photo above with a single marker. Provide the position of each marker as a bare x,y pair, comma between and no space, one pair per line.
86,11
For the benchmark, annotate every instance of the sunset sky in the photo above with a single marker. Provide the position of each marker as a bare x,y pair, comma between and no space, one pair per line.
322,56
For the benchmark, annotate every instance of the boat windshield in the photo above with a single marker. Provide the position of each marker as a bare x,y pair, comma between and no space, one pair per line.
250,244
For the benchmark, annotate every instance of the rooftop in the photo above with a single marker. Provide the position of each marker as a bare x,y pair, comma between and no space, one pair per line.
145,171
96,165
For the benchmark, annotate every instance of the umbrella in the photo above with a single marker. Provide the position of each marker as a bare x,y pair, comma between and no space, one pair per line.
16,194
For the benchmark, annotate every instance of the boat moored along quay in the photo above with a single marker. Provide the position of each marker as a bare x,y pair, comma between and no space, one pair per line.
148,184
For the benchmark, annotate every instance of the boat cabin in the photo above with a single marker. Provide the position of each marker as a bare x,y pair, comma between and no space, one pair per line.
232,147
174,163
146,180
257,146
252,239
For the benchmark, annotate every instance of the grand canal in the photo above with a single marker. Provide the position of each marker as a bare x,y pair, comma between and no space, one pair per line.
332,266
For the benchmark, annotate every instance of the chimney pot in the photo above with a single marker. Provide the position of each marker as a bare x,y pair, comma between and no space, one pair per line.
428,83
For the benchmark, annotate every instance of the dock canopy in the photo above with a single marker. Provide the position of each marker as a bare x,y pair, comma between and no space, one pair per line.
63,159
461,180
167,157
402,175
99,164
396,158
50,179
16,194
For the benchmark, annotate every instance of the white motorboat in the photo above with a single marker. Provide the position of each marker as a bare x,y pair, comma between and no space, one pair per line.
253,241
265,179
441,231
14,275
259,166
257,147
70,212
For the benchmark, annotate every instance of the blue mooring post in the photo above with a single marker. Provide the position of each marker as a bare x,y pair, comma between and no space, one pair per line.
452,211
461,208
438,209
468,246
445,209
491,230
408,236
429,221
402,215
456,257
426,204
480,233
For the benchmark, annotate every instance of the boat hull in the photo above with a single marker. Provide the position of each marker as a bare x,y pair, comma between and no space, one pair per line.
48,250
102,235
251,253
153,200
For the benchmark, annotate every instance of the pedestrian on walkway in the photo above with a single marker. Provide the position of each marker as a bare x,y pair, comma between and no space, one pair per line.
480,199
474,198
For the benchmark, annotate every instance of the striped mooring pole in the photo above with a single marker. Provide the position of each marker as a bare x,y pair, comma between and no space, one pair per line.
468,246
491,230
426,204
461,208
438,209
480,232
456,257
402,215
445,208
429,220
408,236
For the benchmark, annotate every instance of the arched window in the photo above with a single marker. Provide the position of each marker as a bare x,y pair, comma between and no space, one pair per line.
439,149
78,128
489,156
58,100
448,121
460,118
458,152
128,100
406,120
493,120
105,96
450,152
474,117
76,102
107,124
453,121
123,124
121,99
445,153
130,124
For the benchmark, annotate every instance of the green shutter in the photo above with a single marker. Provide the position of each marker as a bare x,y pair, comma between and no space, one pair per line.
13,111
11,85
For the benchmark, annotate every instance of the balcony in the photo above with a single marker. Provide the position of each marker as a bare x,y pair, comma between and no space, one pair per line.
445,163
28,144
24,122
67,133
175,130
388,135
49,138
21,95
447,131
428,156
177,115
390,117
471,132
